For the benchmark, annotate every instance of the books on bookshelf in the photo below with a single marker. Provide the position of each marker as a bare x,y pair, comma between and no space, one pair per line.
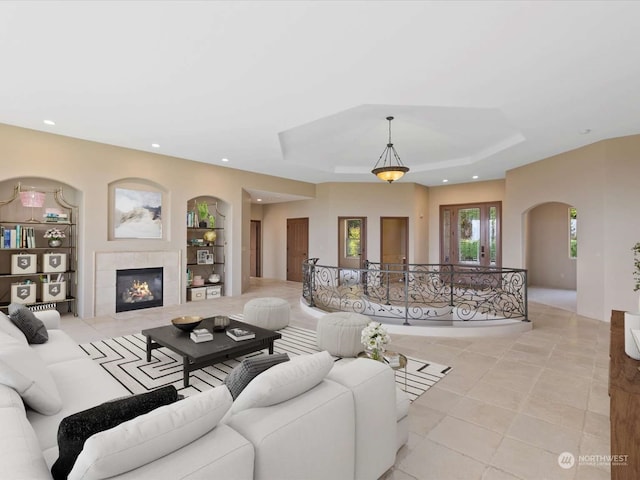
55,215
192,219
201,335
18,237
238,334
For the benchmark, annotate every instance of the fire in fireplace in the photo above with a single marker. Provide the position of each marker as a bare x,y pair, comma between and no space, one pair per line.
138,288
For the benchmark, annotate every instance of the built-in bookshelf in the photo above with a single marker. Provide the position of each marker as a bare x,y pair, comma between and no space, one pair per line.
205,256
35,269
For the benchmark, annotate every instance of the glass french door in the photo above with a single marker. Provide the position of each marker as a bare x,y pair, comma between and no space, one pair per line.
470,234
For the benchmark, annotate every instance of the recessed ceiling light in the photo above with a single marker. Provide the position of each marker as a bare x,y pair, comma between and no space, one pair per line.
155,145
475,177
585,131
258,199
445,180
225,159
49,122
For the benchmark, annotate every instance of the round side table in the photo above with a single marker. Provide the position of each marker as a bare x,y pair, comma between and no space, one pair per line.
402,363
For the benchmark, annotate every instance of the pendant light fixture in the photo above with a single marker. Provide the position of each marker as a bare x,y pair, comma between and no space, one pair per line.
388,170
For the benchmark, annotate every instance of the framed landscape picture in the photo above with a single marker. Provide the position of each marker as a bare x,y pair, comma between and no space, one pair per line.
137,213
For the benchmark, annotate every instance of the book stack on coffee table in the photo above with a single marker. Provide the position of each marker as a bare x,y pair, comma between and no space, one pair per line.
239,334
201,335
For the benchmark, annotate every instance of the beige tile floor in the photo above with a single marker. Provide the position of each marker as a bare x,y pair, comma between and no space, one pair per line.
506,411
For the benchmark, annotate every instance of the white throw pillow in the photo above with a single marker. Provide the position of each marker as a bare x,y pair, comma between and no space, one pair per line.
284,381
7,326
150,436
23,370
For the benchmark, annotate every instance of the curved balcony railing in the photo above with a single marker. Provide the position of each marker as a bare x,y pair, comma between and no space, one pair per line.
419,293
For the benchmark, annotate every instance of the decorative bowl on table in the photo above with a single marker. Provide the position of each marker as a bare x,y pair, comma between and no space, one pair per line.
186,323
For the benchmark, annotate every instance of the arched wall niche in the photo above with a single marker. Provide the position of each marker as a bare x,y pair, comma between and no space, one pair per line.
68,196
49,185
221,210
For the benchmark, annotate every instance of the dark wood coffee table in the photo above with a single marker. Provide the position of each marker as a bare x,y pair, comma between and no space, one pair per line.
199,355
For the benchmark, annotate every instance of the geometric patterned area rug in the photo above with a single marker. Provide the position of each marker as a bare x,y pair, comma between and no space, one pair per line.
125,358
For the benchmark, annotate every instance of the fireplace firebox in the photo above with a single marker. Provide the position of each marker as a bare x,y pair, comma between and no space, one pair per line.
138,288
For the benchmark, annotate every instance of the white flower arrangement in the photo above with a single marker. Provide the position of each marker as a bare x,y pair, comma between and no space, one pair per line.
374,337
54,233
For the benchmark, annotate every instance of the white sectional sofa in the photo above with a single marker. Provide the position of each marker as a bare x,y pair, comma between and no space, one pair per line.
348,426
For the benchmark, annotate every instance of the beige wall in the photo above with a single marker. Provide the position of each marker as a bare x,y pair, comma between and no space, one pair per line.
419,225
333,200
90,167
621,223
600,180
548,260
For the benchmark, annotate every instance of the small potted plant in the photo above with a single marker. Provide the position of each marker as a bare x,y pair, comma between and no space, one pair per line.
54,236
203,214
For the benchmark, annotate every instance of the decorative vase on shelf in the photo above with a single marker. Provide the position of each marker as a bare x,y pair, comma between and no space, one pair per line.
202,224
210,236
55,242
631,322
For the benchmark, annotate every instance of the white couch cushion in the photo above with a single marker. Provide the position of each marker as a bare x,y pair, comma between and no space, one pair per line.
50,318
310,436
59,348
220,454
75,429
24,371
373,387
82,384
284,381
151,436
20,456
7,326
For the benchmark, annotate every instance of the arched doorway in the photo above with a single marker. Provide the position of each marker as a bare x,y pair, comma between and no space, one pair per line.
551,254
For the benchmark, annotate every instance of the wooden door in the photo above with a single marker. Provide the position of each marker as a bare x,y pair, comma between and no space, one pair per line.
297,247
255,254
470,234
394,244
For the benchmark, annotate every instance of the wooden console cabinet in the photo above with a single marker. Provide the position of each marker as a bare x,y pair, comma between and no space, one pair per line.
624,394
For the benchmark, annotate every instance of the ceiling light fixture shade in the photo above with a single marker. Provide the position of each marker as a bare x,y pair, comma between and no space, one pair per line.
388,170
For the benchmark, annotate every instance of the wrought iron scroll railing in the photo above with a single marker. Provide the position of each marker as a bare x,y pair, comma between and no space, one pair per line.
418,293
